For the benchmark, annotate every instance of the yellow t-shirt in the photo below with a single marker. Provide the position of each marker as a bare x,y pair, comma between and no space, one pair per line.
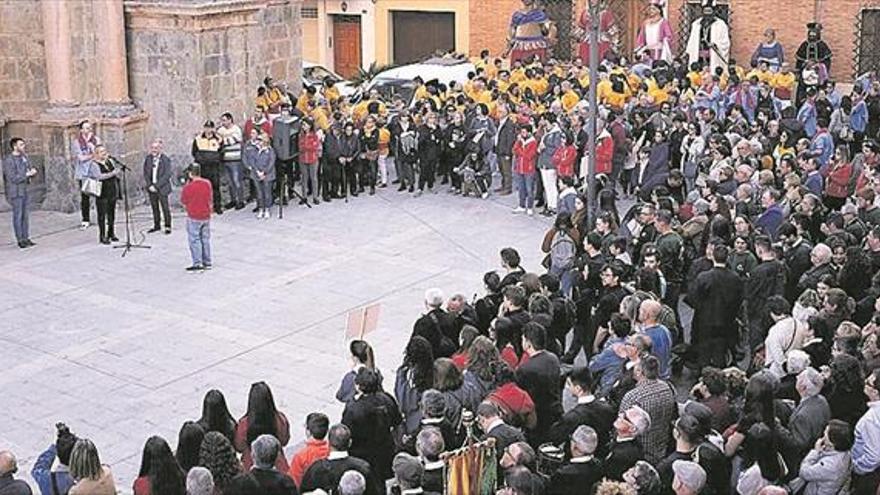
569,100
781,80
695,79
322,120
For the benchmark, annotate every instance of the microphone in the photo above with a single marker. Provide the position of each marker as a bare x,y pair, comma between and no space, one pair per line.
118,162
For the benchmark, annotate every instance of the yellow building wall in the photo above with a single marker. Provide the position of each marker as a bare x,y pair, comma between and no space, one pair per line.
310,48
383,27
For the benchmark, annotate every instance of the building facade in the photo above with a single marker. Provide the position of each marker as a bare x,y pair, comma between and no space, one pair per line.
139,70
347,35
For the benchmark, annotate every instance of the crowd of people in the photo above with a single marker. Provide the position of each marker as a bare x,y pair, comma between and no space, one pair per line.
757,211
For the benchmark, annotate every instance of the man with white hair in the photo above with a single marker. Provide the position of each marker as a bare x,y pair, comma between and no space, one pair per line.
808,420
199,481
820,258
437,326
625,451
8,484
352,483
265,449
583,469
429,445
157,178
689,478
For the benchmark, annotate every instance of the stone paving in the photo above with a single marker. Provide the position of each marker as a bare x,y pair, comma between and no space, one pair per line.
124,348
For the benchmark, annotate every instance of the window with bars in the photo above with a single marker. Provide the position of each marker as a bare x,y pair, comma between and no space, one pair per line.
868,46
309,12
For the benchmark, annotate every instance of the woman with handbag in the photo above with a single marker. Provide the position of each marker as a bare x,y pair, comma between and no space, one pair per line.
102,182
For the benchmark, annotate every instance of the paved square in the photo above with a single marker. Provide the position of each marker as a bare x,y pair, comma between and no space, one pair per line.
121,349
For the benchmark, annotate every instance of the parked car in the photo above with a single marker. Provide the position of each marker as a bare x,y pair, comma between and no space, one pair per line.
399,80
314,75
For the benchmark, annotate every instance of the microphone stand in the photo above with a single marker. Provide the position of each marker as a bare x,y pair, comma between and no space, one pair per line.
284,191
127,245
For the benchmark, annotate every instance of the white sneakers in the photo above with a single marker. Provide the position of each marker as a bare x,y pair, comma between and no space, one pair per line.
530,212
263,214
518,210
84,225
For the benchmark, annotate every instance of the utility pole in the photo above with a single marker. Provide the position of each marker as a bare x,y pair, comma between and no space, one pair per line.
595,8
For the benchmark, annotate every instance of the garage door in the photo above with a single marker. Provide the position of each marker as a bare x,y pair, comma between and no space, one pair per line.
418,35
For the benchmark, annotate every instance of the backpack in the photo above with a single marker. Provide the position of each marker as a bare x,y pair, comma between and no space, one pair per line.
562,251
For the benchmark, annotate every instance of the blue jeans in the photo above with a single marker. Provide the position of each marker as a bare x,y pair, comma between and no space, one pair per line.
264,193
20,218
198,232
236,186
525,185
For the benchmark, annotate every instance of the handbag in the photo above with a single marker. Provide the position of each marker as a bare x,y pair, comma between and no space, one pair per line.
91,187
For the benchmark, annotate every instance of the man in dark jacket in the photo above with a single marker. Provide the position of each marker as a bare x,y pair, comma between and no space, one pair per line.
8,484
625,450
589,411
582,470
765,280
405,146
265,450
505,137
349,149
332,167
157,177
437,326
285,130
325,474
716,297
820,258
539,376
371,416
797,258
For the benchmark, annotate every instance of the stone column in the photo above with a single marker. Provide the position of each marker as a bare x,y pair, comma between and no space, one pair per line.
110,20
56,33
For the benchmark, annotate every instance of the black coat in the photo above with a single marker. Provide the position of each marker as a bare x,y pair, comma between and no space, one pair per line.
438,328
325,474
575,478
811,277
622,456
797,260
767,279
597,414
539,376
370,418
430,143
10,486
274,483
506,138
504,435
716,297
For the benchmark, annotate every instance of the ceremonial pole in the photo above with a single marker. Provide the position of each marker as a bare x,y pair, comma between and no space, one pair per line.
594,9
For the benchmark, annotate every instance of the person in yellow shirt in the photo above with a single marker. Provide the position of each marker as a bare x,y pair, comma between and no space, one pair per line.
320,114
331,92
384,153
518,74
694,76
360,111
569,97
503,81
307,97
783,83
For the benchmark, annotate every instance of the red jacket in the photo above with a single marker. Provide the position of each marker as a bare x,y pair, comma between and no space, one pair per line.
516,405
460,360
314,450
525,155
604,152
309,144
249,125
197,198
837,183
563,160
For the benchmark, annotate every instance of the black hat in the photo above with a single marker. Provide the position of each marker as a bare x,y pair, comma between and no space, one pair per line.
209,123
814,26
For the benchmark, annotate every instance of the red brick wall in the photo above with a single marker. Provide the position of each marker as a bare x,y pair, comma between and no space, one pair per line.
489,20
489,24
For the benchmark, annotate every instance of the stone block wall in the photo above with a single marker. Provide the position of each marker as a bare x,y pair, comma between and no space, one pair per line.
23,89
197,61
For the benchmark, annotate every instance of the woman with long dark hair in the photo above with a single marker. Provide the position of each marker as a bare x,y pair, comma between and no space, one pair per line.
361,357
371,416
262,418
160,474
758,407
768,467
189,441
216,415
414,376
218,456
845,389
465,339
502,332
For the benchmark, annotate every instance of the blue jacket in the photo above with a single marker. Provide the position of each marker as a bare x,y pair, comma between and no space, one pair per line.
42,474
815,183
858,118
822,147
770,220
607,364
807,116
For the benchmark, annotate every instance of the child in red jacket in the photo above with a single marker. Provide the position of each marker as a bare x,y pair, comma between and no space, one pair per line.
309,146
525,156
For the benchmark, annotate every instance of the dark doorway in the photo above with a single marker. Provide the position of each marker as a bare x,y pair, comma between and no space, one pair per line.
346,45
417,35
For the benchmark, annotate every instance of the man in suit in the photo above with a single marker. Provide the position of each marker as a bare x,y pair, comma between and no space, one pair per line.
8,484
808,420
408,474
583,470
589,411
625,451
17,173
493,426
157,176
539,376
505,137
436,325
326,473
429,445
716,297
265,450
